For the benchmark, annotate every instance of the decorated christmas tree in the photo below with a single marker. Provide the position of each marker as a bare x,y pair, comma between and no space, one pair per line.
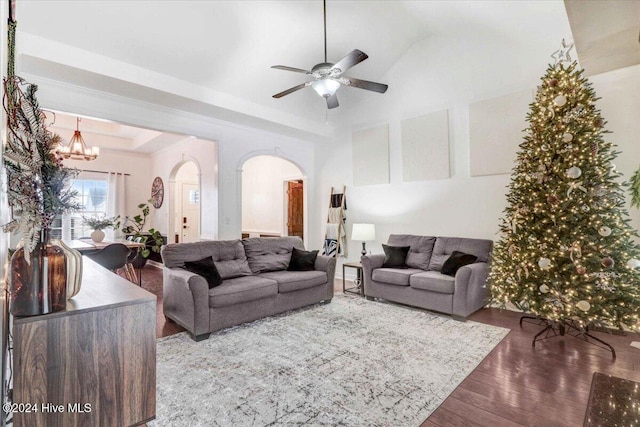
567,252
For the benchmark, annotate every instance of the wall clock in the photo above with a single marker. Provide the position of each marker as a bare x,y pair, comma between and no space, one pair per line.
157,192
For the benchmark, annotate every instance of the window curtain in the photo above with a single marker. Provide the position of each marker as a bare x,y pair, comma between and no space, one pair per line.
116,196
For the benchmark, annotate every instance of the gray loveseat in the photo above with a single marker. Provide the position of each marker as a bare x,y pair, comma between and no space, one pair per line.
421,284
255,284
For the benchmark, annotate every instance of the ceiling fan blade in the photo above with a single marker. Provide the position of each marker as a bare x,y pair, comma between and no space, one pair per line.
363,84
332,101
354,58
291,90
295,70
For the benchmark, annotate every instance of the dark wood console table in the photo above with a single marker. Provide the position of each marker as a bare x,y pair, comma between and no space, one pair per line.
93,364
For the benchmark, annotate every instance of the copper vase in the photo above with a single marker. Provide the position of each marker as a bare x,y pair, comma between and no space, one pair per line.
40,286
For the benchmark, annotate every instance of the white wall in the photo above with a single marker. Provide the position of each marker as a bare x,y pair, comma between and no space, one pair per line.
451,74
263,195
620,107
137,165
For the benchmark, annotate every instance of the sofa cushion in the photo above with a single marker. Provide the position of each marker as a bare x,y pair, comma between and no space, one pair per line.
456,260
421,248
445,246
394,276
228,256
433,281
302,260
395,256
230,259
289,281
270,253
205,268
242,289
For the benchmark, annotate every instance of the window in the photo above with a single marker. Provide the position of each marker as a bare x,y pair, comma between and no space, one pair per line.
92,196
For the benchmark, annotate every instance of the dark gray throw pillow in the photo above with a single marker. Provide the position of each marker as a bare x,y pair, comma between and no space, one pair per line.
205,268
395,256
302,260
455,261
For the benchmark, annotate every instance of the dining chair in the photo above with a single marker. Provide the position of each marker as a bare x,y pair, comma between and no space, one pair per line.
114,257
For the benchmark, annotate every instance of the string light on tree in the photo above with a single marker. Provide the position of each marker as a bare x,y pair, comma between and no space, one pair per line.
567,253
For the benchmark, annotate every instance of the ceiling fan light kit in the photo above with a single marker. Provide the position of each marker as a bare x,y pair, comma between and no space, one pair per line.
328,76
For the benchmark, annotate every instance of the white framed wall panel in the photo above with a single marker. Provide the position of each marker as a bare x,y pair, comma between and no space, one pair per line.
425,147
495,131
371,156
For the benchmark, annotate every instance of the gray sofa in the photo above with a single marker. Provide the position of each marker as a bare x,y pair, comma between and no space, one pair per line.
255,284
422,285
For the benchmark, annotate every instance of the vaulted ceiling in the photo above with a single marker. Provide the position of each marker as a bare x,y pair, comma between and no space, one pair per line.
218,53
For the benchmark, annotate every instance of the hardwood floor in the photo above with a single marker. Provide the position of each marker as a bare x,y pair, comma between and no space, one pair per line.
515,385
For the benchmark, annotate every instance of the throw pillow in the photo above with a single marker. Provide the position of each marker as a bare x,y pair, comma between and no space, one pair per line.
455,261
302,260
205,268
395,256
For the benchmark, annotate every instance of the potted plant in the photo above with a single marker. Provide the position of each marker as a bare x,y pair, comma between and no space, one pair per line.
98,224
133,228
37,192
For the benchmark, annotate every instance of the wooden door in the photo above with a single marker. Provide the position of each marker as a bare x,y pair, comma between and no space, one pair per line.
295,204
190,213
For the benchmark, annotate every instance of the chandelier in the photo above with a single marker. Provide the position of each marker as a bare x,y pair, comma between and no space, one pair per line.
77,148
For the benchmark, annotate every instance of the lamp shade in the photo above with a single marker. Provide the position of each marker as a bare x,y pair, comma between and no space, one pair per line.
325,87
363,232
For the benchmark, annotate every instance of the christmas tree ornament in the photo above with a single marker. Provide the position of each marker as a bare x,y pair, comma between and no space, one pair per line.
562,55
598,122
604,231
564,248
607,262
560,100
585,208
633,263
544,147
594,148
552,199
574,172
544,263
567,137
583,305
553,82
581,269
544,289
575,185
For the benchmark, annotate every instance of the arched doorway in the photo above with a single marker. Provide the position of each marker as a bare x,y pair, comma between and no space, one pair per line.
273,197
184,217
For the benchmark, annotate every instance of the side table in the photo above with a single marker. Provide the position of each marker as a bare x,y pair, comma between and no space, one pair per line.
358,289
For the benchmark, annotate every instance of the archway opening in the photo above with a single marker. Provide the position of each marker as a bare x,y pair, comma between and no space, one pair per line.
185,203
273,198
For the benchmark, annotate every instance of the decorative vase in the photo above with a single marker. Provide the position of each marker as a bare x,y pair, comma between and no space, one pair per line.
97,236
40,286
74,268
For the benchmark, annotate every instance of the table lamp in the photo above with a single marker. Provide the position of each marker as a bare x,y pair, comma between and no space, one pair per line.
363,232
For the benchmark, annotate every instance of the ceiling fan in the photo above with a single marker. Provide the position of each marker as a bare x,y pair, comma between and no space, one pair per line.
328,77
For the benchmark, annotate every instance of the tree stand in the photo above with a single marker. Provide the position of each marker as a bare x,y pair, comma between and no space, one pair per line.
565,327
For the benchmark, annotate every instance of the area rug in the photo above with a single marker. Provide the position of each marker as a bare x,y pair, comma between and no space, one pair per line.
349,363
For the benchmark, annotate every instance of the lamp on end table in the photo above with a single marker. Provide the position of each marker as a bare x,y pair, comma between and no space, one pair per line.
364,233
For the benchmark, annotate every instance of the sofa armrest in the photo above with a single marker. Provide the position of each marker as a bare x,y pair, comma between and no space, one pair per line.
186,299
328,265
370,263
471,292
